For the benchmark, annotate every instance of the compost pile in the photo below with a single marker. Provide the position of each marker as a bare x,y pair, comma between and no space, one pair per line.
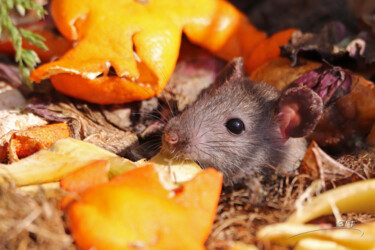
81,125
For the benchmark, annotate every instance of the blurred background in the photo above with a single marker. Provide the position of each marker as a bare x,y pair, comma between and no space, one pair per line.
306,15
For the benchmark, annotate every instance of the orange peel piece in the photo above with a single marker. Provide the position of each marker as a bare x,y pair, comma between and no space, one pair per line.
123,214
140,41
92,174
28,142
268,49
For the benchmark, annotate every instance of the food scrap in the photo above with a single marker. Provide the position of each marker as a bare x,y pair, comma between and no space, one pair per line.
25,143
83,152
131,56
134,209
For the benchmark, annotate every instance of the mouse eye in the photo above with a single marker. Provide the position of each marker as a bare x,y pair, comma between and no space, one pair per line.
235,126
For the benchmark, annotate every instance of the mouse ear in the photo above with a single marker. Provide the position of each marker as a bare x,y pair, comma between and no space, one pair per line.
232,71
298,111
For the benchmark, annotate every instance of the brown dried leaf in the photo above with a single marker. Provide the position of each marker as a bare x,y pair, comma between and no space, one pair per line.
87,122
279,72
327,43
320,165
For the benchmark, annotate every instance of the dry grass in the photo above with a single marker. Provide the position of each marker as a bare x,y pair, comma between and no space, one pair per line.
31,221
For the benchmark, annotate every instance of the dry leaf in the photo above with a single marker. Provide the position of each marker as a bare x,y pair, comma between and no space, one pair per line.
87,122
320,165
279,72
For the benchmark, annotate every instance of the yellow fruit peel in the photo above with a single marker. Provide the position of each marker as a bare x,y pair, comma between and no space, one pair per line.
355,197
68,155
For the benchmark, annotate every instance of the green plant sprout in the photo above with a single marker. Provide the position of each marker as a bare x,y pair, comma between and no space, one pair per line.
26,59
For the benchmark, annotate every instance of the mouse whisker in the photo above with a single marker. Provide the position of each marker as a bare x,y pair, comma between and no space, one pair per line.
164,116
220,146
230,142
149,115
205,152
152,148
146,144
171,109
199,128
203,133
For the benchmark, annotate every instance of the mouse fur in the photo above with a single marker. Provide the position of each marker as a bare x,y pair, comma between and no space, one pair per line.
202,135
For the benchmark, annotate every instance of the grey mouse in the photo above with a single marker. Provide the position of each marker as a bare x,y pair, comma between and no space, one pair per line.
240,126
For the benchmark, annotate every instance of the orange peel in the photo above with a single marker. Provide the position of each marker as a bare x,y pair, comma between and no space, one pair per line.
123,214
92,174
27,142
140,41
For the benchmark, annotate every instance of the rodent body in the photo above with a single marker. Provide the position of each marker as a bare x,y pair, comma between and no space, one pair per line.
235,128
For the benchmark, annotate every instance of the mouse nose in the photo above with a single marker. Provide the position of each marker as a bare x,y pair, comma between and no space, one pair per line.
171,138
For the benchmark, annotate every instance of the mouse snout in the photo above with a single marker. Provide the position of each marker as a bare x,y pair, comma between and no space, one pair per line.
171,138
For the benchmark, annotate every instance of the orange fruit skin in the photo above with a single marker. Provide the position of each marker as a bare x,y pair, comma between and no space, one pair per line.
92,174
27,142
268,49
134,209
140,42
103,90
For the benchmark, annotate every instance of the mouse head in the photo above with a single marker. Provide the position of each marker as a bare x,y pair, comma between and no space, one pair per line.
238,124
298,109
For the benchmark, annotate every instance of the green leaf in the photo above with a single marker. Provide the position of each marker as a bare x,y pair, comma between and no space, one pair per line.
30,58
33,38
9,4
21,10
27,59
25,72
